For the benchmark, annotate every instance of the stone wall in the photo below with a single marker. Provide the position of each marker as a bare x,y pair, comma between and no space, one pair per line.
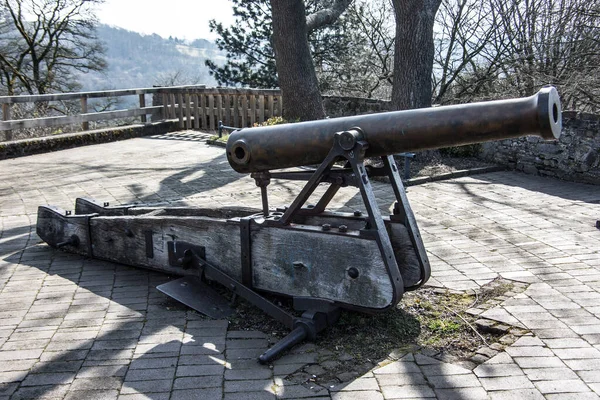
574,157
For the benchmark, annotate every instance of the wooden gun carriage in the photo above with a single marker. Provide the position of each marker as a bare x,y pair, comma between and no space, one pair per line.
323,260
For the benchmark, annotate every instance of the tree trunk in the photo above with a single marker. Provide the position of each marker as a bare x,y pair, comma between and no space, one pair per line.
414,51
297,78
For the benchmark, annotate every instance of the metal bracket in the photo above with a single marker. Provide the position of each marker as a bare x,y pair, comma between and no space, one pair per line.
185,255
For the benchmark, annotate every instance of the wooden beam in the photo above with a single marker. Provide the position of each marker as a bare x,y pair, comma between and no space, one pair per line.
77,119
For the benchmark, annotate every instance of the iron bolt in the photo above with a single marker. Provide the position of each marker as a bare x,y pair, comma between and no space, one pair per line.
353,272
326,227
343,228
357,213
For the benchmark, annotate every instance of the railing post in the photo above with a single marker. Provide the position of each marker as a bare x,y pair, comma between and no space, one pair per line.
6,117
84,109
143,105
188,111
180,110
165,110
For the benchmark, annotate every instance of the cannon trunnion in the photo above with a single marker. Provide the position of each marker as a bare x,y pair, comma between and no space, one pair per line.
324,261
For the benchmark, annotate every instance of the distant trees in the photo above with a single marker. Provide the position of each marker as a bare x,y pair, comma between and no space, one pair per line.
42,44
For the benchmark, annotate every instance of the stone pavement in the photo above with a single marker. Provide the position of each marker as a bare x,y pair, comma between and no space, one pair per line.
76,328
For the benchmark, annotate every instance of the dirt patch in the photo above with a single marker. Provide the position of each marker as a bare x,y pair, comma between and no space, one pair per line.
435,322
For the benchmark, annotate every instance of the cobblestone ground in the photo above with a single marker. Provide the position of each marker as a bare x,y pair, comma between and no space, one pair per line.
76,328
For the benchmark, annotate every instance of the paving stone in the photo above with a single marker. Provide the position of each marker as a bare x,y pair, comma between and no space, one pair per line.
566,343
562,386
248,374
20,354
57,378
444,369
152,386
151,363
291,391
41,392
572,396
150,374
522,394
506,383
398,367
362,395
497,370
249,395
96,383
539,362
194,382
199,370
259,385
102,371
407,391
529,351
577,353
474,393
538,374
360,384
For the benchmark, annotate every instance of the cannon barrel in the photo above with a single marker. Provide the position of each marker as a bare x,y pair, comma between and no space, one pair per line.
305,143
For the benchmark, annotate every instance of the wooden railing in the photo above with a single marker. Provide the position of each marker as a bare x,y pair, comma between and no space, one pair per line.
196,107
204,108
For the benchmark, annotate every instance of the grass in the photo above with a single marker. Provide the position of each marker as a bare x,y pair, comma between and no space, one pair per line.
222,139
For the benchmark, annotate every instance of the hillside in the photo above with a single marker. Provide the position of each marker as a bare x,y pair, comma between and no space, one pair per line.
136,60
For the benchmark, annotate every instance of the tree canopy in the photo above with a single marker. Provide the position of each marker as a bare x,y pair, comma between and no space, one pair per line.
43,42
443,51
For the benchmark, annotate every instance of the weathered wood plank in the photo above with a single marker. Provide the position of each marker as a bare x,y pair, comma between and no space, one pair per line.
54,227
211,112
180,109
173,108
219,101
165,101
196,111
305,262
261,109
188,112
236,111
270,106
84,109
219,238
315,264
203,111
142,99
244,111
227,110
252,110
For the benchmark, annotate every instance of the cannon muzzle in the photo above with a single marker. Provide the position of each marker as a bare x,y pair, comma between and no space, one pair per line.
307,143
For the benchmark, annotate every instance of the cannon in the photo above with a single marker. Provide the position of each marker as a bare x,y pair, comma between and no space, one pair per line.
322,260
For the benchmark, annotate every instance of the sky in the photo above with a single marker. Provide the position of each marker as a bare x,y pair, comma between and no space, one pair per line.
184,19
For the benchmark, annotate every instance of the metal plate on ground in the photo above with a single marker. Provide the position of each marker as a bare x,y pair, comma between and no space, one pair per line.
196,294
